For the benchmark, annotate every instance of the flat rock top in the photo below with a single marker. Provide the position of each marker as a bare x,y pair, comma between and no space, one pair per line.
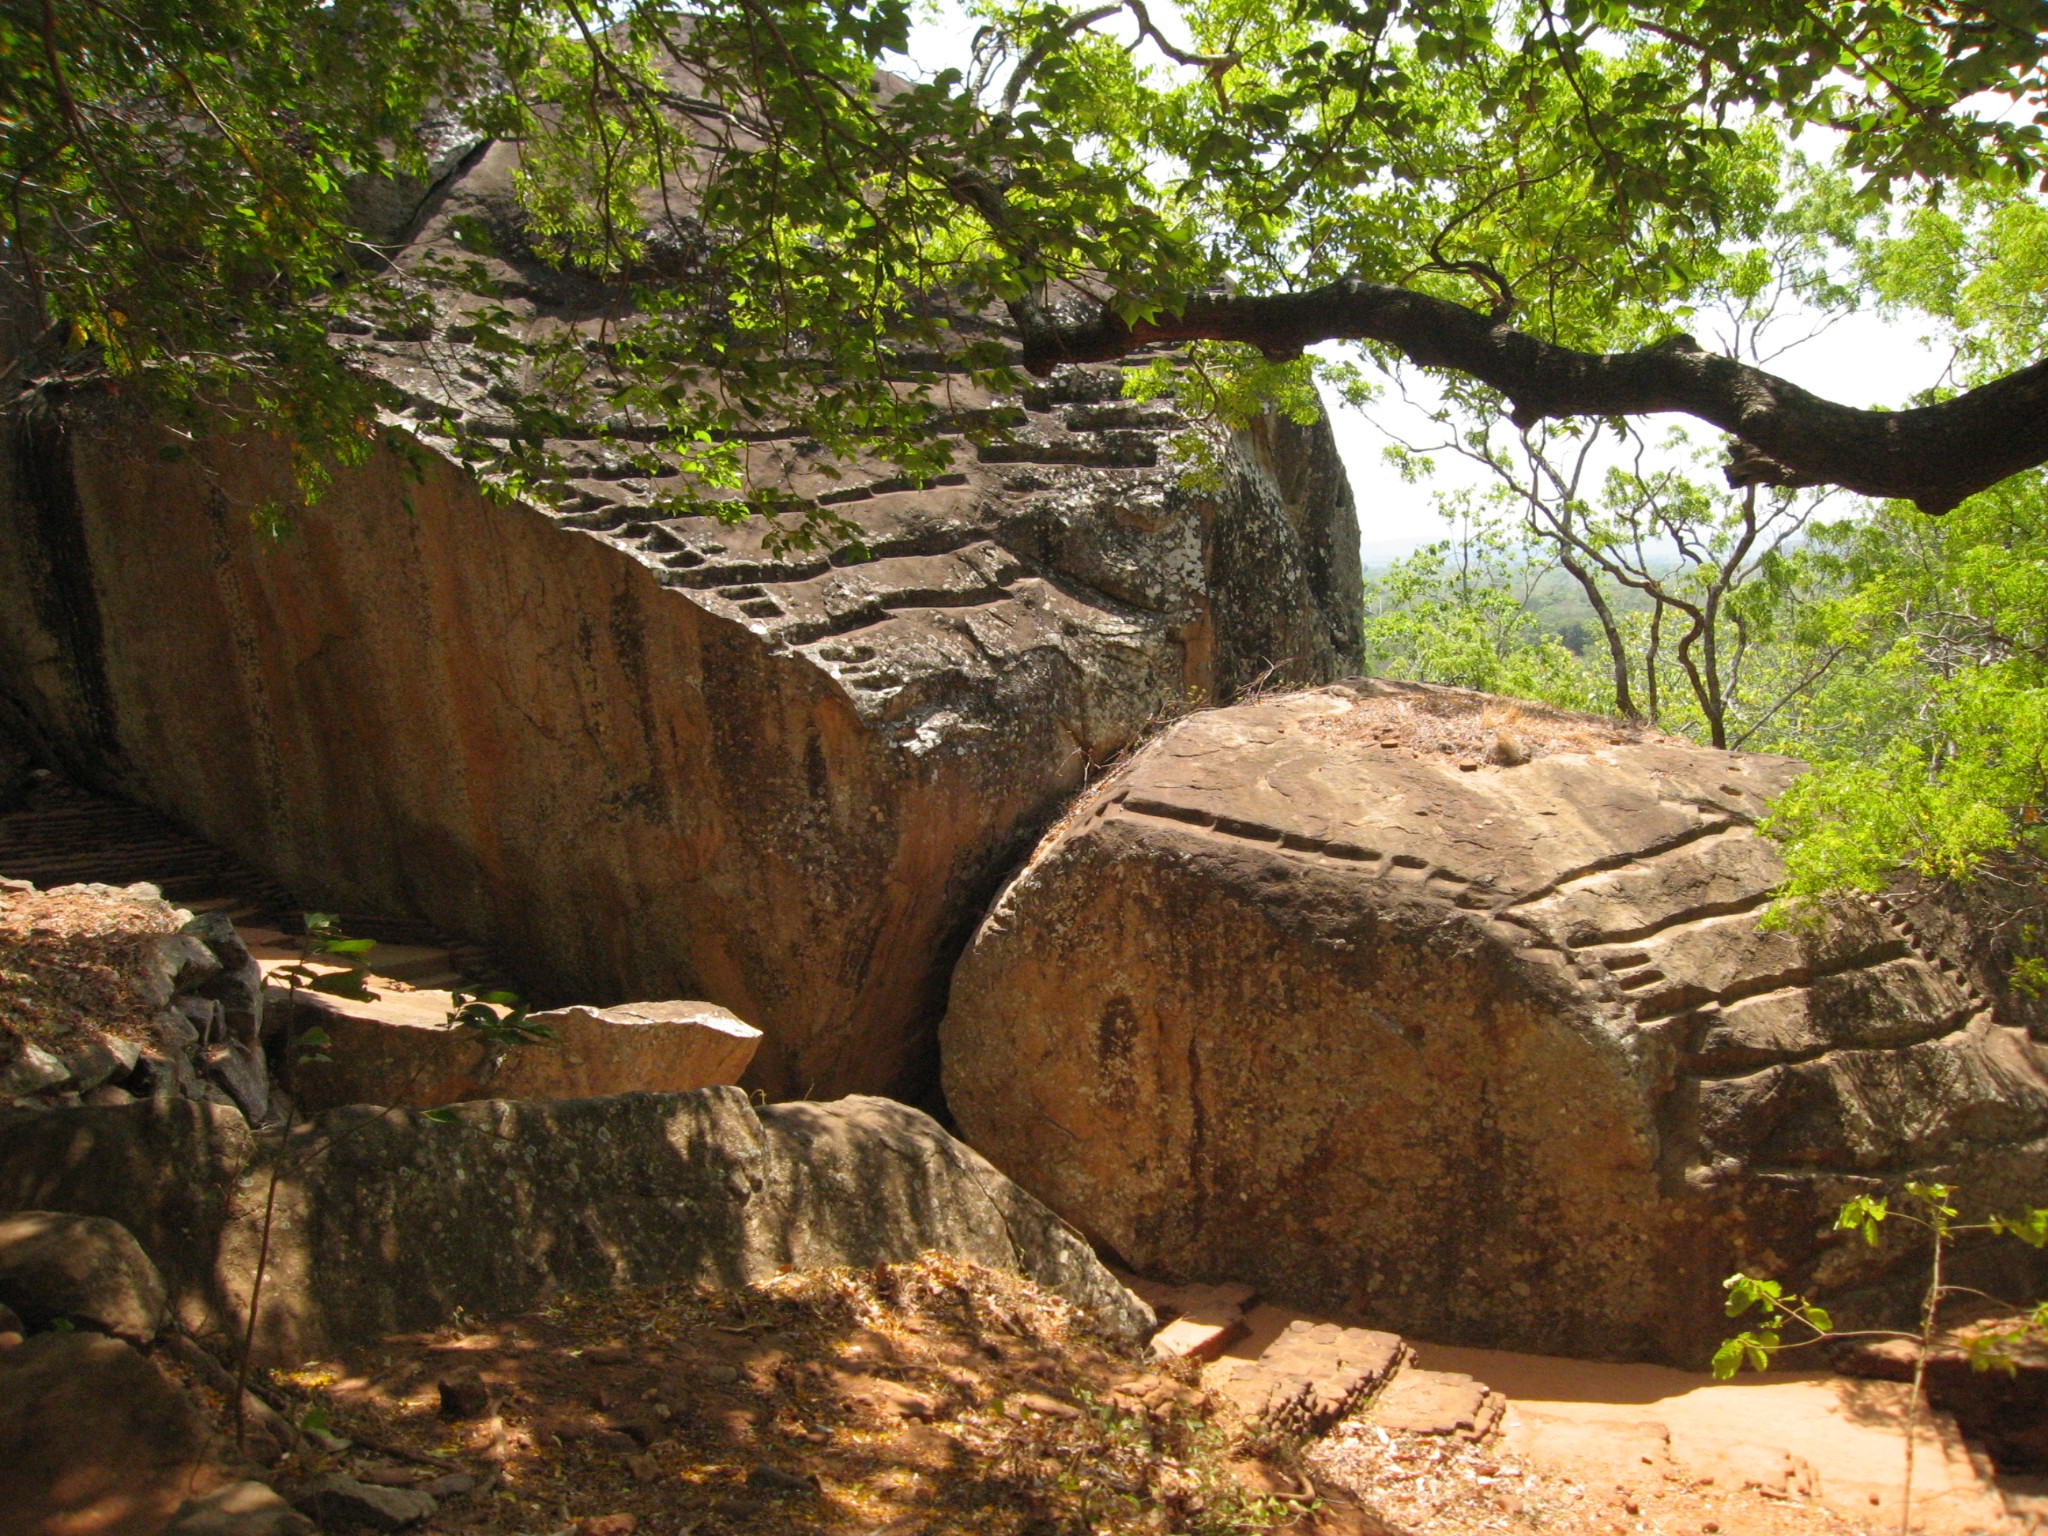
1482,799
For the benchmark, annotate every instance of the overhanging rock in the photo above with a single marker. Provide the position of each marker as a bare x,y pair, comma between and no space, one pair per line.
646,756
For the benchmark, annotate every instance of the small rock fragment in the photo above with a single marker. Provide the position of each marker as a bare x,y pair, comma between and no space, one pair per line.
388,1474
240,1509
32,1070
608,1525
179,962
766,1479
92,1058
464,1395
344,1503
1039,1402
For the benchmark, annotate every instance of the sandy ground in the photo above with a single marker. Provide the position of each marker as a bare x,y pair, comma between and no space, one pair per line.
1590,1449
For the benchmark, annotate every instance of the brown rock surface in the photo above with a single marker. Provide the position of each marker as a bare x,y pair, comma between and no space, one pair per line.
642,755
86,1271
398,1049
1483,1054
387,1219
94,1441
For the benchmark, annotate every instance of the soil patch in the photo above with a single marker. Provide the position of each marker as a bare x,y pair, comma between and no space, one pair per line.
926,1397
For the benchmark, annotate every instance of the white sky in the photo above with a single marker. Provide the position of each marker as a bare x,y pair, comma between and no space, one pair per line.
1859,360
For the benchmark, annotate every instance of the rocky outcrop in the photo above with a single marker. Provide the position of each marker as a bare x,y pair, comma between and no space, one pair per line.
1313,995
388,1219
643,755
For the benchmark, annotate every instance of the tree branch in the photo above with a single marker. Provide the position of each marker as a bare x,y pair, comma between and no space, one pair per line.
1932,455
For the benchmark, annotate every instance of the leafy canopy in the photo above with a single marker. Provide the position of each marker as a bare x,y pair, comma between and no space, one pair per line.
190,185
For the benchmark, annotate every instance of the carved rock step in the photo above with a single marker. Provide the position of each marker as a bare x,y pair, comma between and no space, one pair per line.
1313,1375
1419,1402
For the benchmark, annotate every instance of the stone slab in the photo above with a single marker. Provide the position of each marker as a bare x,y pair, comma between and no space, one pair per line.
1420,1402
394,1051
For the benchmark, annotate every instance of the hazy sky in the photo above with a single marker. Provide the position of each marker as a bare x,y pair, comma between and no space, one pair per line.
1859,360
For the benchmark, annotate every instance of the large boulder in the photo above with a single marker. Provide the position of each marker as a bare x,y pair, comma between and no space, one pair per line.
94,1438
388,1220
56,1267
639,754
1457,1017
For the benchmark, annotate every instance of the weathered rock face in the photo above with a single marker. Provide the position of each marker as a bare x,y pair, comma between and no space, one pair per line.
645,756
1313,997
387,1220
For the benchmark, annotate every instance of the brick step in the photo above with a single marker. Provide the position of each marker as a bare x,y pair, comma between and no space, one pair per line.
1283,1372
1419,1402
1313,1375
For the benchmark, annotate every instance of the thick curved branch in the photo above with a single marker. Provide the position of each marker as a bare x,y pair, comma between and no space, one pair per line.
1933,455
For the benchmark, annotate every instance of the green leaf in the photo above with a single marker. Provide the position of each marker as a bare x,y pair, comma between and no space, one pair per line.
1728,1359
1864,1214
1747,1291
2030,1228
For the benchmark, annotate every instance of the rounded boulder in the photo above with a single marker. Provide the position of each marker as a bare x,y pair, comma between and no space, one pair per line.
1456,1017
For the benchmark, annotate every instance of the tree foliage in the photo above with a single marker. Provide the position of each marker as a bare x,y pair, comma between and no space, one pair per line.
1510,190
1538,202
1905,657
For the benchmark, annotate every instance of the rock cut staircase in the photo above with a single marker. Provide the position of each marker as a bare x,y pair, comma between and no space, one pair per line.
1290,1375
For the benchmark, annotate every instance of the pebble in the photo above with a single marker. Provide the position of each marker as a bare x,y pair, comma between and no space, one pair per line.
769,1479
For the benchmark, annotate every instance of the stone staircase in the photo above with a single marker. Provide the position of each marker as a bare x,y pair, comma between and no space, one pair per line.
63,834
1308,1375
